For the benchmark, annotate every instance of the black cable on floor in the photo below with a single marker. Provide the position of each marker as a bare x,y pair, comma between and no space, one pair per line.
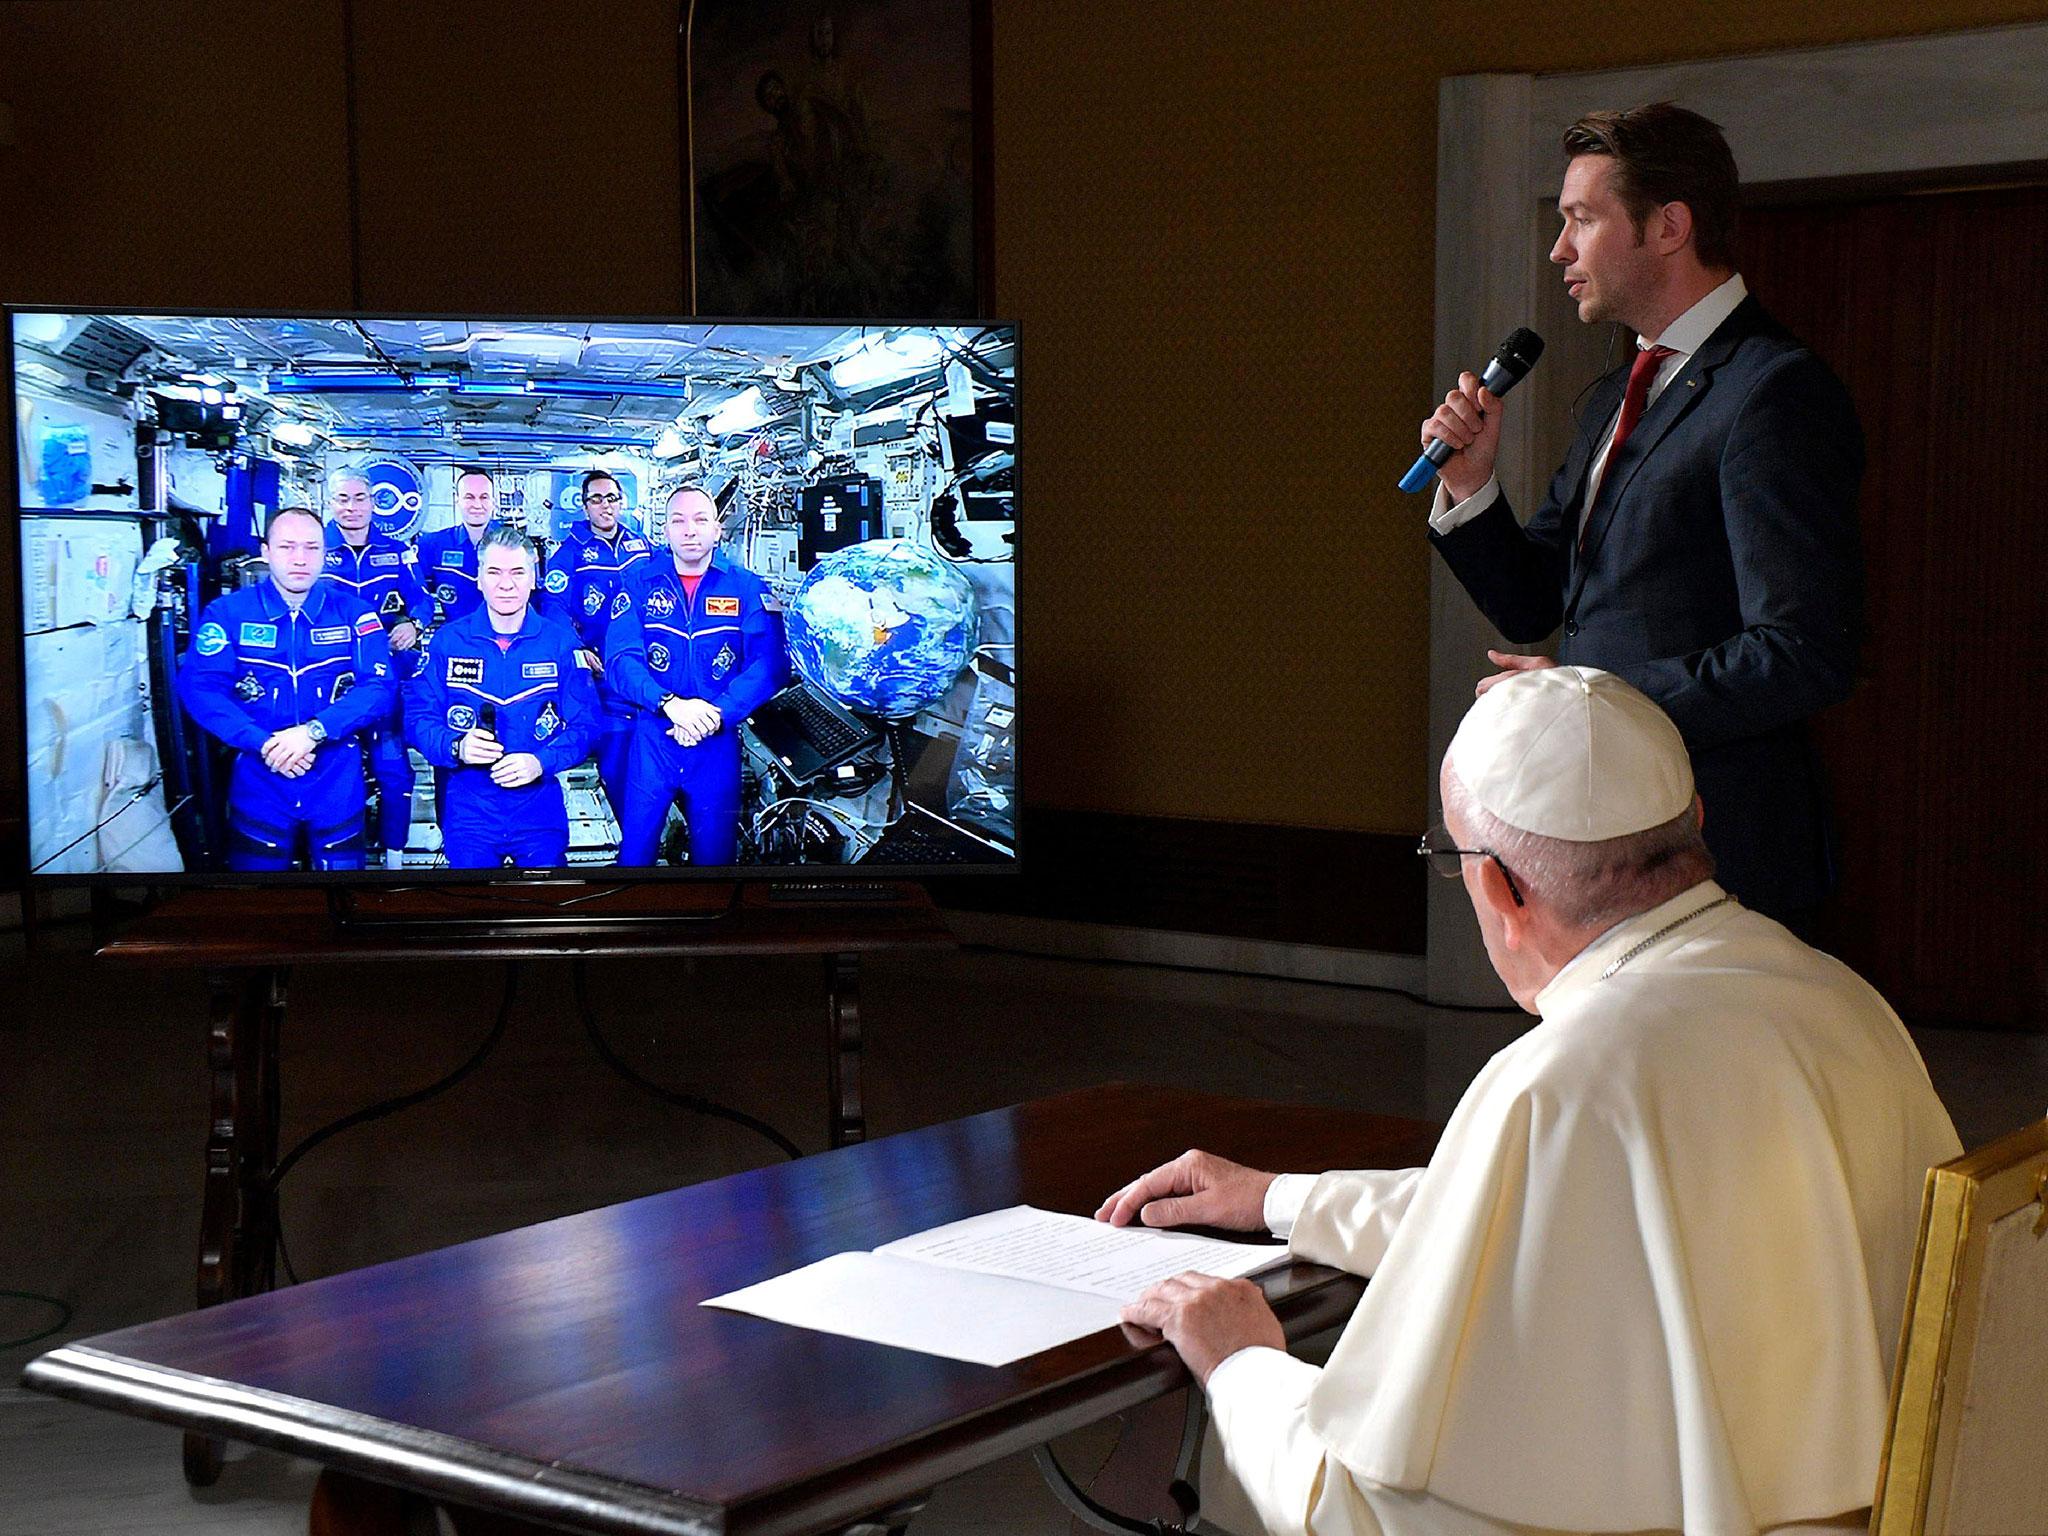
383,1108
1219,970
63,1317
613,1060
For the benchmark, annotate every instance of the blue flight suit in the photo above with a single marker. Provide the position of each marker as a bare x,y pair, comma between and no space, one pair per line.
596,568
381,574
723,647
257,666
447,562
534,697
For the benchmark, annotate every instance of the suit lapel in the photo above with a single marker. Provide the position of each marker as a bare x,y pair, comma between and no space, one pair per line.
1671,406
1600,414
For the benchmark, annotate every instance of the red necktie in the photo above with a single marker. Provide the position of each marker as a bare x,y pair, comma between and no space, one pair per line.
1637,396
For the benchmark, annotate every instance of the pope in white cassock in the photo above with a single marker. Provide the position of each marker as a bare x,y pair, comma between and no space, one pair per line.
1652,1278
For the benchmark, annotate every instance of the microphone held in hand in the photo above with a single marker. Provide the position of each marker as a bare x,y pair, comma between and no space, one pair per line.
1517,355
487,719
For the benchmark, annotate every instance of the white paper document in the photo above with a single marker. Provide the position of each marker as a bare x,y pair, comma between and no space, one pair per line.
993,1288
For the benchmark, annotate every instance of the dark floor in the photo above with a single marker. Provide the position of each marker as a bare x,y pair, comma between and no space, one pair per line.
103,1117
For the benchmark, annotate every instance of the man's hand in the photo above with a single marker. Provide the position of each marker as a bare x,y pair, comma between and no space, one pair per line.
1469,420
692,720
1207,1319
478,747
290,751
405,634
1510,664
514,769
590,661
1196,1189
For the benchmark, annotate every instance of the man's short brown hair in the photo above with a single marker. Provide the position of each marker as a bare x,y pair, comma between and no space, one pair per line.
1665,154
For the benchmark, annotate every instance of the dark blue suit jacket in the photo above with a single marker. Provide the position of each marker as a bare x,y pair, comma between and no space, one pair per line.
1721,574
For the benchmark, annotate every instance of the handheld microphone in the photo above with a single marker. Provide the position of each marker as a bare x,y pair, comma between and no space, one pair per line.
1517,355
487,719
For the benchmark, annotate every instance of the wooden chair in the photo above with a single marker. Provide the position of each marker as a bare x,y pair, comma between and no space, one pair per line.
1967,1449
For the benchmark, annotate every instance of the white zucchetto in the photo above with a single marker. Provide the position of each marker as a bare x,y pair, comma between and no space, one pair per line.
1572,753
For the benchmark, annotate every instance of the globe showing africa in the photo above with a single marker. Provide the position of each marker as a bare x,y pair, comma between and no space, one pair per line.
884,627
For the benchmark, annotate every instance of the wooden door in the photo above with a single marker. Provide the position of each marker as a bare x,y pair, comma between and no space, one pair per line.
1933,308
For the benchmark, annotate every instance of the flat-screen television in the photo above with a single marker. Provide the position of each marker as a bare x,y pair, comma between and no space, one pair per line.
391,598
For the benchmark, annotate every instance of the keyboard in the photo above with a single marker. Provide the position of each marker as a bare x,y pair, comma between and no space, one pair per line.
922,838
829,733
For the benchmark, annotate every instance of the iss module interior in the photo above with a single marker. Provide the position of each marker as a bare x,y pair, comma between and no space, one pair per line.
316,594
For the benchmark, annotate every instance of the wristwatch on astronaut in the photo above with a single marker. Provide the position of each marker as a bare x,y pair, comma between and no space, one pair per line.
666,700
316,730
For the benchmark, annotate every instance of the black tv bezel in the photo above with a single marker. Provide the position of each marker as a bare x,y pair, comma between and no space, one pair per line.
554,875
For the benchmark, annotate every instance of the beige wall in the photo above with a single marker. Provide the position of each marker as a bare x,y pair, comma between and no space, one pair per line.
1216,227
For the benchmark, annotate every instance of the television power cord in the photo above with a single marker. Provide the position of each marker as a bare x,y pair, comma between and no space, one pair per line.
57,1303
392,1106
579,980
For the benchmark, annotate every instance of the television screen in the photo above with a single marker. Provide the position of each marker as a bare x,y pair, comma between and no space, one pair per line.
388,598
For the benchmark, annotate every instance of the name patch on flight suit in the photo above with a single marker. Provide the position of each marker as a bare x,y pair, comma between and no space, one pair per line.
465,669
722,607
657,657
259,634
387,559
660,603
211,640
538,669
336,634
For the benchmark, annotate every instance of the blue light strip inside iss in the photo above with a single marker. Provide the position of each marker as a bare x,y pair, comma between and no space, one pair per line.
543,435
339,383
605,388
344,384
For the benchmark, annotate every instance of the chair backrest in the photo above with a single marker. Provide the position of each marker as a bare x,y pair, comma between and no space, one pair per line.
1967,1450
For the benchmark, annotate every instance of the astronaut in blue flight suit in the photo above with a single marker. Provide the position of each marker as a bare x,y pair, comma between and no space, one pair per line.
502,702
447,557
289,674
694,646
598,556
379,570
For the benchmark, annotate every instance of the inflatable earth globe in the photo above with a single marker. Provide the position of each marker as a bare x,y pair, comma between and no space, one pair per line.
884,627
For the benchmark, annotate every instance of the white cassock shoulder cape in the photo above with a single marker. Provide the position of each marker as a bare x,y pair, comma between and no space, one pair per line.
1653,1276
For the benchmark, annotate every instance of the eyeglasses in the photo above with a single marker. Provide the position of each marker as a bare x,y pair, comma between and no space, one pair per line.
603,499
1443,856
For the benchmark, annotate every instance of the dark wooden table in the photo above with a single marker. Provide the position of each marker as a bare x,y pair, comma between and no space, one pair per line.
247,942
565,1373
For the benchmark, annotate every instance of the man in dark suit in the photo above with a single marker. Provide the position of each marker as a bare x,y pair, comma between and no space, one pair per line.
1700,540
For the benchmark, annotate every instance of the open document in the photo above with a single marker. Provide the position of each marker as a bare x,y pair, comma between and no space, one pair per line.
993,1288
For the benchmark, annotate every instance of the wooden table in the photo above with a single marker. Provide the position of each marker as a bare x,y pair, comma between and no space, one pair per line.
247,941
565,1373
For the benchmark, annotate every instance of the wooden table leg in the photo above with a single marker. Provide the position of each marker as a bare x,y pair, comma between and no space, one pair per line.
842,1050
238,1221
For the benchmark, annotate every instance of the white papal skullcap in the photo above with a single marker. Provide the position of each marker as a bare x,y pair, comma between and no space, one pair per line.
1572,753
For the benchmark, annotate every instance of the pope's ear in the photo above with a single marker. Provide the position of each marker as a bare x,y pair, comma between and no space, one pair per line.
1500,893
